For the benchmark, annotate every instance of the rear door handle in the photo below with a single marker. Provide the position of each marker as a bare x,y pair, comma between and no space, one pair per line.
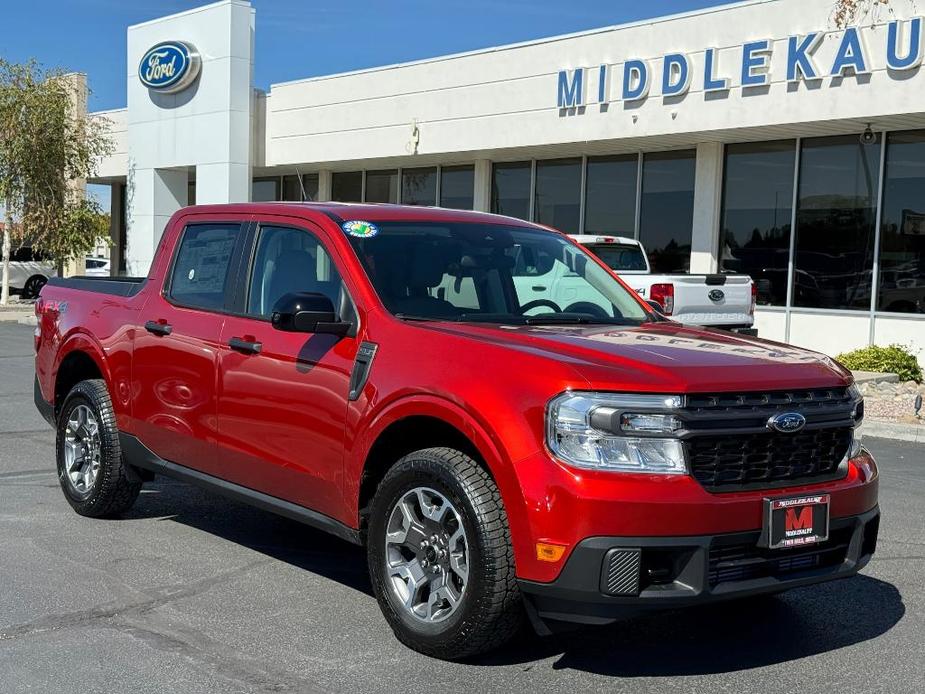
239,344
538,288
155,328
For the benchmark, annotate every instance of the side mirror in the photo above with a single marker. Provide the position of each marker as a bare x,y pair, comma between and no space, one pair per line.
656,306
307,312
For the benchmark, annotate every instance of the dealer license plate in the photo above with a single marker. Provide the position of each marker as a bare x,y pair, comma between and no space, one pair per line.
796,521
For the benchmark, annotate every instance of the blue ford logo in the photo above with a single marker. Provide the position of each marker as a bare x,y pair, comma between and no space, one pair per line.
169,67
787,422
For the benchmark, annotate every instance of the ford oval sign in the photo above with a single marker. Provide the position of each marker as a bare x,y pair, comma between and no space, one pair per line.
169,67
787,422
717,295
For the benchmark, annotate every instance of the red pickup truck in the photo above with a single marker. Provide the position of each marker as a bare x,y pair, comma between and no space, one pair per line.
371,371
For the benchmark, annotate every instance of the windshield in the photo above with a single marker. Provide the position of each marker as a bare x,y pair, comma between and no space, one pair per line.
619,257
490,273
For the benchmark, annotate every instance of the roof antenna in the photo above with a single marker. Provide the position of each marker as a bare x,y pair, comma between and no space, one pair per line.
301,184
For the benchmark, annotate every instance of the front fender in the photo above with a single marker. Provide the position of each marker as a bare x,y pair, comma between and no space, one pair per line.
482,436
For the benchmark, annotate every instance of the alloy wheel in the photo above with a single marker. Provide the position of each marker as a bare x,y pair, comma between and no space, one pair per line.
426,555
82,447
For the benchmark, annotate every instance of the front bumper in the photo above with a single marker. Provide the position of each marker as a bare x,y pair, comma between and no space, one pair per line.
609,578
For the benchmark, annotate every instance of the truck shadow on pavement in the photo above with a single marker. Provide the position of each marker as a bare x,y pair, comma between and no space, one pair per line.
724,637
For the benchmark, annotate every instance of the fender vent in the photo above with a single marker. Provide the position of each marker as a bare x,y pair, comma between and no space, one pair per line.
620,573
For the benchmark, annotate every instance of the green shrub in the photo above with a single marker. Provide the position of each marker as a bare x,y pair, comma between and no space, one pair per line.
895,359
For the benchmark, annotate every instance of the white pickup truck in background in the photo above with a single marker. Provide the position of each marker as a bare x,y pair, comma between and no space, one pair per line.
715,301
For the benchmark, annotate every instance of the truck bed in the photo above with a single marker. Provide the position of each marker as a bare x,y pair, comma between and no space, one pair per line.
116,286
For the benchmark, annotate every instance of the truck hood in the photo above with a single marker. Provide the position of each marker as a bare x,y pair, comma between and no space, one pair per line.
664,356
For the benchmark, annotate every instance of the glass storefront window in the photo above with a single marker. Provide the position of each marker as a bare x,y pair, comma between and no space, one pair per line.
510,189
558,194
382,186
265,190
419,186
610,195
902,228
757,214
293,192
667,209
457,187
836,213
347,186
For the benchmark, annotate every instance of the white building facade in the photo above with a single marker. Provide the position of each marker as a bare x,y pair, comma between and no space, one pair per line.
756,137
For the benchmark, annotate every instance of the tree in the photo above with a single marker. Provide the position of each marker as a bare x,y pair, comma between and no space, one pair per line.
47,148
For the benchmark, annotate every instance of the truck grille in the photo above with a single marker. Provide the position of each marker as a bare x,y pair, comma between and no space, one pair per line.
745,561
723,461
729,446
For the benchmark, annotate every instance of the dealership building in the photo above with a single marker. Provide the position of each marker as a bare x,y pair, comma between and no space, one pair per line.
757,137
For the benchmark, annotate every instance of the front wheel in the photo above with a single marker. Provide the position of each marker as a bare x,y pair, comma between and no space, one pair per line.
440,556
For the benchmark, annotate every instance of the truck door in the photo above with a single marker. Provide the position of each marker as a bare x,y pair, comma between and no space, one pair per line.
282,405
175,362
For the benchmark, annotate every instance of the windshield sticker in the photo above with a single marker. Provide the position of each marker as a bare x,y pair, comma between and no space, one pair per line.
362,230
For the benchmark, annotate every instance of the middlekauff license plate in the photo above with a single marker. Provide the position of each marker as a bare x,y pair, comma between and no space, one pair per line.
796,521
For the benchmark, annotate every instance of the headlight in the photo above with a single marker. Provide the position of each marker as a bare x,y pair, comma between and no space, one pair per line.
601,431
854,393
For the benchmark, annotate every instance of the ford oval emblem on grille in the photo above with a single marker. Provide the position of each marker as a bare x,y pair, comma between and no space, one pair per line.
787,422
717,295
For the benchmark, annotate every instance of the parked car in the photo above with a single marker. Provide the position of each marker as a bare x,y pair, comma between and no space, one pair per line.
717,300
29,271
96,267
379,372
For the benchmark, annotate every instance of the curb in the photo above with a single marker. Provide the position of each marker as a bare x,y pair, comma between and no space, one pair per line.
891,430
28,319
15,316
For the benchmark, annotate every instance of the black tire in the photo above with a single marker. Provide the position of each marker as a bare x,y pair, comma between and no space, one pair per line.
112,492
490,611
33,285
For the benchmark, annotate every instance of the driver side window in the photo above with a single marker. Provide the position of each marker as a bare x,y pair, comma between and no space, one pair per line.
292,260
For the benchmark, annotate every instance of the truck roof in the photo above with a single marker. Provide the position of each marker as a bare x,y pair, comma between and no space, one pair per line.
353,210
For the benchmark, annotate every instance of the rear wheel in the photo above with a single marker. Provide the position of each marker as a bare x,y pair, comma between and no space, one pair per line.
440,556
89,459
33,286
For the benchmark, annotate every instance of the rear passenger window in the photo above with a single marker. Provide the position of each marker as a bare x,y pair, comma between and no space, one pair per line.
200,272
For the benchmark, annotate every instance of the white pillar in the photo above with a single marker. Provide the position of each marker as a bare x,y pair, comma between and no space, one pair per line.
156,195
207,124
481,200
325,185
223,182
708,192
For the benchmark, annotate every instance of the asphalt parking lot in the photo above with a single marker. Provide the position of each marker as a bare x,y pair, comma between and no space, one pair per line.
193,593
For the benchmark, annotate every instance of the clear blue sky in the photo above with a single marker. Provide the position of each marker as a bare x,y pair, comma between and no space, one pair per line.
304,38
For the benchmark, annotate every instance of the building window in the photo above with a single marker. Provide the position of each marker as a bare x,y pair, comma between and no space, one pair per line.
347,186
419,186
557,201
757,214
294,192
265,190
457,186
382,186
902,228
510,189
610,196
836,214
667,209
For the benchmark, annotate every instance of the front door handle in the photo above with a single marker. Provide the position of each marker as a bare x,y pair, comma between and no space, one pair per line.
156,328
538,288
239,344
